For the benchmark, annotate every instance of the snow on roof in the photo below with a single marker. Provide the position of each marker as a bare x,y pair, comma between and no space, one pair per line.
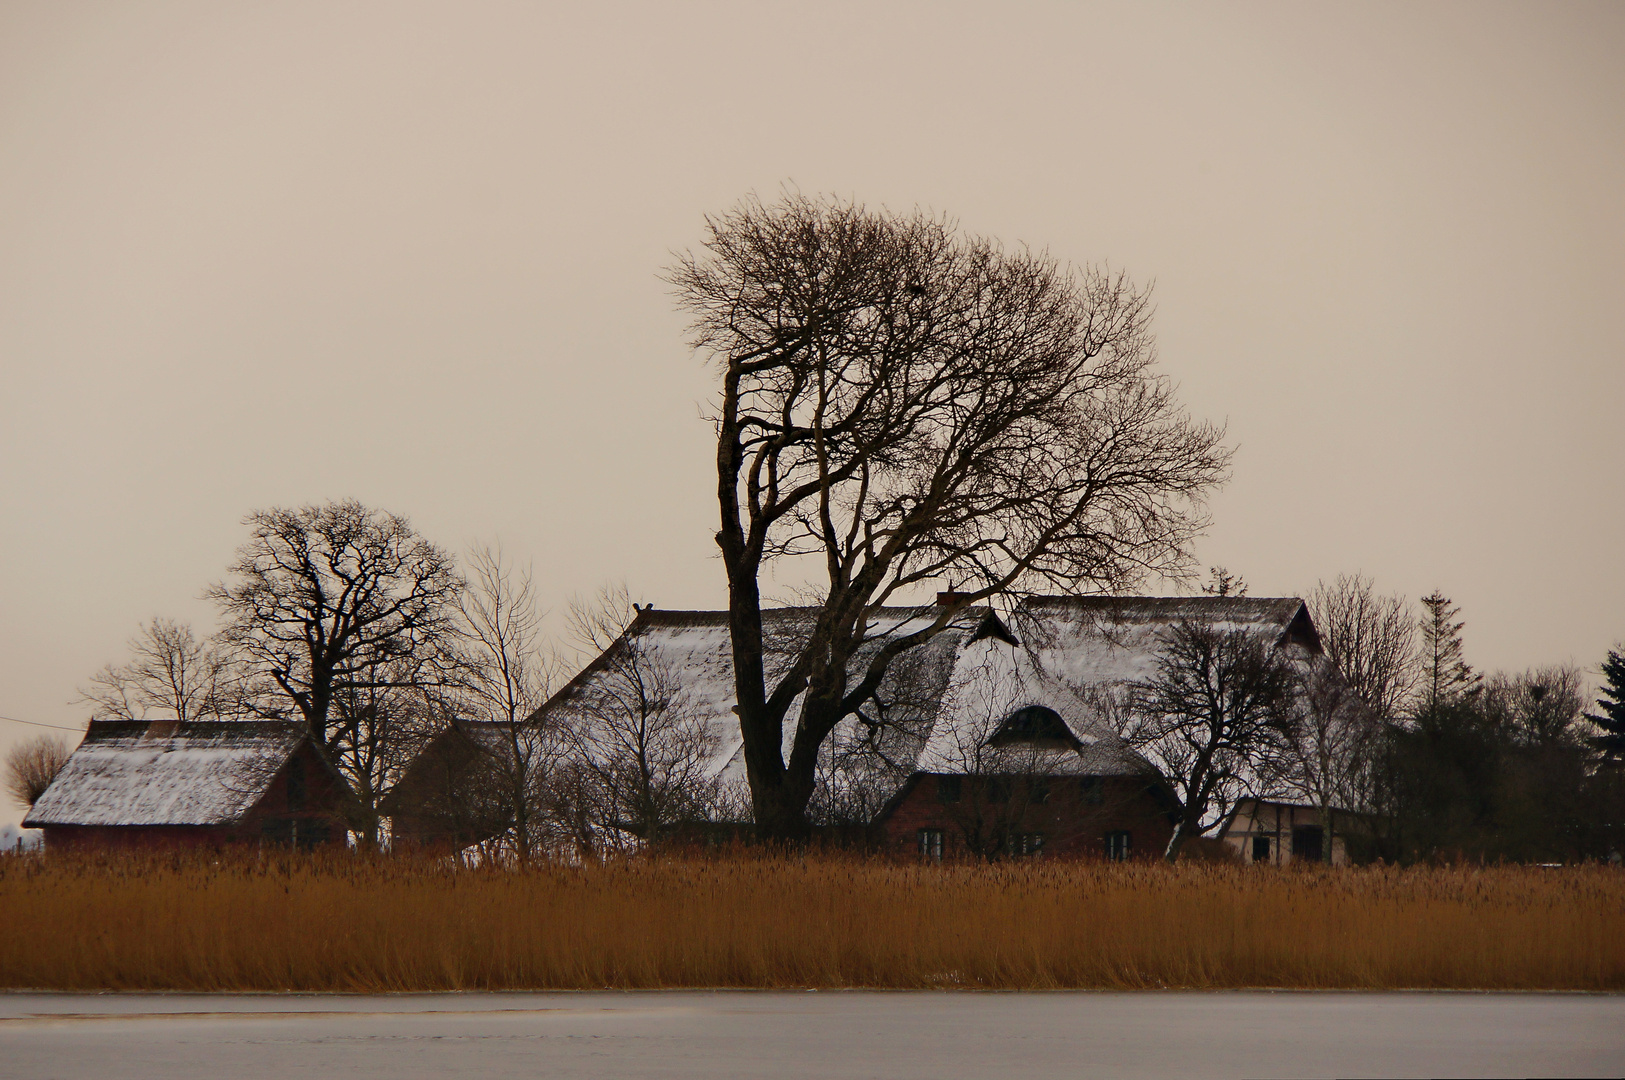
164,773
945,699
1099,641
692,651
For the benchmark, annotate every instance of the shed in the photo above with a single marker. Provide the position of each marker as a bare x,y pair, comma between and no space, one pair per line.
195,784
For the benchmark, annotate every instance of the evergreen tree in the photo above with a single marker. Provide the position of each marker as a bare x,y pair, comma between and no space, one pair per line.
1611,703
1447,677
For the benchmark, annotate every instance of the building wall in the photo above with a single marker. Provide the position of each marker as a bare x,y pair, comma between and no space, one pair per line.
1073,815
1276,825
304,805
68,837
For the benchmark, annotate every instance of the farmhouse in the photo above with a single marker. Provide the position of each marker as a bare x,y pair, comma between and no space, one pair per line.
194,784
997,737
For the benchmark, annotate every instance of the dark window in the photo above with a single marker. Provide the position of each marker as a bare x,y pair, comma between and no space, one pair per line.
948,789
1306,843
1261,849
1035,723
1017,845
296,783
1117,845
931,844
1091,790
998,789
1038,791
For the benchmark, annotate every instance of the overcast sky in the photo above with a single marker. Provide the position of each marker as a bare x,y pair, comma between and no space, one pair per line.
269,254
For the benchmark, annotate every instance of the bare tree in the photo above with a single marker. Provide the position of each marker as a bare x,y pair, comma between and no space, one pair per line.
1328,755
351,615
1540,707
1213,720
31,766
170,674
504,677
639,748
903,404
872,752
338,598
377,725
1370,640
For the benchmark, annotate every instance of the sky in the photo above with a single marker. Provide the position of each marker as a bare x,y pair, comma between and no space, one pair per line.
262,255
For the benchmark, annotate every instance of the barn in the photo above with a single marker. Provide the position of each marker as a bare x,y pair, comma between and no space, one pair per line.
149,783
451,795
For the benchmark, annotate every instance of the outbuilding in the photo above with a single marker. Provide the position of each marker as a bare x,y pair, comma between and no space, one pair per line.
209,783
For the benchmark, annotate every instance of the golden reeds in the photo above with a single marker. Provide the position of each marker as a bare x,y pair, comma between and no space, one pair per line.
255,922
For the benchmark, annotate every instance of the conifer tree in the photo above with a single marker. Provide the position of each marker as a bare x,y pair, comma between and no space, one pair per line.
1611,706
1447,677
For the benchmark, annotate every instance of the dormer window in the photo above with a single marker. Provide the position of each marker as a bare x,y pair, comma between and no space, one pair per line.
1034,725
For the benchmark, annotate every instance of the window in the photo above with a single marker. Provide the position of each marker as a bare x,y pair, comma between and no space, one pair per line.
1034,724
1091,790
1038,792
931,844
1117,845
948,789
998,789
1306,843
1020,844
1261,849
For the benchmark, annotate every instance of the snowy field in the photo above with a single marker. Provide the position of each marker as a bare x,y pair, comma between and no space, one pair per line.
787,1035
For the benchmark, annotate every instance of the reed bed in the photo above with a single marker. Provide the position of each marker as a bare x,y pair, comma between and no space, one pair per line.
315,923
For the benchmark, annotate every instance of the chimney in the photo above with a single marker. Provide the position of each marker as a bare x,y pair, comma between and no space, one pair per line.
952,598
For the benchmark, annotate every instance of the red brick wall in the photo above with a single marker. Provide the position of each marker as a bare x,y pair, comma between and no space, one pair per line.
320,811
60,837
1073,822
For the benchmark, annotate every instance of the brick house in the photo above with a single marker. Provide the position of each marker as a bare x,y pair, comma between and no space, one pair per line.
194,784
995,738
1036,763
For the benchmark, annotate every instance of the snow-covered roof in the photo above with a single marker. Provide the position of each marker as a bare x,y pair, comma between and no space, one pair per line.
1098,641
691,655
164,773
945,699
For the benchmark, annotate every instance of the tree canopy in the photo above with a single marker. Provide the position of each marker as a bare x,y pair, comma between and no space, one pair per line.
905,404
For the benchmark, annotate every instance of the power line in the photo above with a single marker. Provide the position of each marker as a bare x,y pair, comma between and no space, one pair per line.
36,723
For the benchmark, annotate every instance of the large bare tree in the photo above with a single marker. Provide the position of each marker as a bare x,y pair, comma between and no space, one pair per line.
901,404
352,616
336,599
